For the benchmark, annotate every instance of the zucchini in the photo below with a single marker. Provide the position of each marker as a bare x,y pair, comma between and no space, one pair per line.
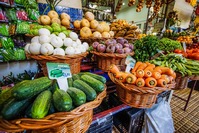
89,91
31,88
75,77
77,95
70,82
41,105
14,108
98,77
5,96
62,101
94,83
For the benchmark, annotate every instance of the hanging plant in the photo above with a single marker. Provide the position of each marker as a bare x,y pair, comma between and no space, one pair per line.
53,3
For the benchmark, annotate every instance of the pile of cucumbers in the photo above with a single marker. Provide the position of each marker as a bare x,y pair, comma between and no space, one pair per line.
40,97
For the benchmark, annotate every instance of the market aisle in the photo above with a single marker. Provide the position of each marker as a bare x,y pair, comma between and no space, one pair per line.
186,121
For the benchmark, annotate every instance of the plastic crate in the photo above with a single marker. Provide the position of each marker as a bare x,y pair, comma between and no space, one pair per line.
129,120
103,125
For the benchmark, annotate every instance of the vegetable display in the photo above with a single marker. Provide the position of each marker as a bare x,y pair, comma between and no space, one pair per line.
145,75
46,96
146,47
119,45
51,44
178,63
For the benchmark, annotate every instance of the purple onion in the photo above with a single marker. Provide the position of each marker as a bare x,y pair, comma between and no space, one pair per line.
101,48
95,44
131,46
110,49
127,50
126,45
120,51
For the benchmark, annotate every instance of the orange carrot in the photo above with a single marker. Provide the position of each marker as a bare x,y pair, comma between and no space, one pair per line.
150,82
140,82
150,67
140,73
161,82
147,73
148,63
122,78
134,73
166,78
136,66
156,75
131,79
118,74
113,69
142,66
158,69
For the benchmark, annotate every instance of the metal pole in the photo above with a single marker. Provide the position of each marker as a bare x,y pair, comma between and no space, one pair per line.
146,26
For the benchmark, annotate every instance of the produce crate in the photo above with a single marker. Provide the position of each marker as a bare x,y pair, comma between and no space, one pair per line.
129,120
103,125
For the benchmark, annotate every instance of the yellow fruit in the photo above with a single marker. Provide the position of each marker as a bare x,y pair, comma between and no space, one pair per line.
85,32
53,14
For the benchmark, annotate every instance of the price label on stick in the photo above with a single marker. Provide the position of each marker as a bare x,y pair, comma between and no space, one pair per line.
130,63
60,72
184,47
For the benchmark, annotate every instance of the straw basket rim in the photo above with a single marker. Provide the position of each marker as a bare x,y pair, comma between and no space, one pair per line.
140,90
52,120
56,57
112,55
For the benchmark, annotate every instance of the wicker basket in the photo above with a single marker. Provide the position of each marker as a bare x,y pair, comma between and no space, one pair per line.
75,121
73,60
181,82
104,60
137,97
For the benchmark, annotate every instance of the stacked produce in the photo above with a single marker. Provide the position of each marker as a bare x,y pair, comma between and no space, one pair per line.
169,45
148,46
40,97
186,39
178,63
190,53
53,17
54,28
89,27
145,75
122,28
119,45
51,44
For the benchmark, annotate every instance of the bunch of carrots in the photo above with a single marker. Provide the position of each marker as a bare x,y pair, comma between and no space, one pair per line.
145,74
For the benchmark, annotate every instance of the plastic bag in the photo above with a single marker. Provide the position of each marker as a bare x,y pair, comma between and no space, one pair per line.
22,28
2,15
158,119
11,14
22,15
4,29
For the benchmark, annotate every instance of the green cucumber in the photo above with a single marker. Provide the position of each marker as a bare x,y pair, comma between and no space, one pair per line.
77,95
41,105
52,109
28,111
70,82
94,83
14,108
5,96
75,77
98,77
89,91
31,88
62,101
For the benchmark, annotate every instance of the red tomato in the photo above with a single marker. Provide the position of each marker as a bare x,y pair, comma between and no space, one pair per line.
196,50
195,56
178,51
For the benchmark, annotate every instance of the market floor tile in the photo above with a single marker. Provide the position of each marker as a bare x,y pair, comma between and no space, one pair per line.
185,121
